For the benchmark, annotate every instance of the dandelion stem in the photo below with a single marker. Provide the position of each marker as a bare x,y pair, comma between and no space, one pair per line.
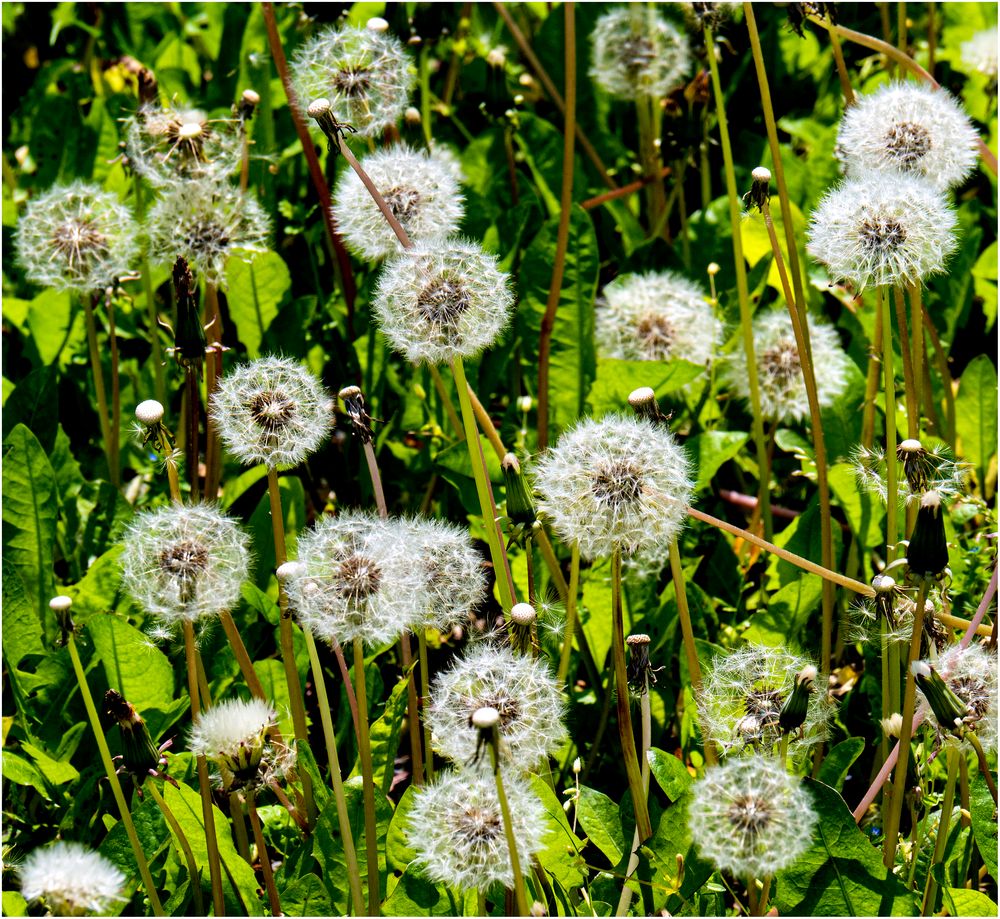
412,707
947,804
191,440
889,383
102,397
368,781
625,190
425,694
109,770
845,80
486,424
917,319
562,232
984,764
909,381
905,732
520,896
242,656
743,293
147,288
279,793
285,639
765,892
345,674
116,399
366,180
643,826
213,371
239,826
211,842
871,384
265,859
948,384
449,406
192,866
571,597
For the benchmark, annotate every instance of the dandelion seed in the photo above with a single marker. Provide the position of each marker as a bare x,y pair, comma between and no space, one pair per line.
637,54
971,674
779,369
183,563
980,53
441,300
367,76
420,190
71,880
272,411
76,238
882,228
749,817
618,483
921,470
656,316
456,828
909,128
521,688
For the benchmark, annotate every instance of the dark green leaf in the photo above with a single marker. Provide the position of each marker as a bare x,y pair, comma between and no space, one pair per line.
598,815
670,773
976,412
257,284
839,760
984,822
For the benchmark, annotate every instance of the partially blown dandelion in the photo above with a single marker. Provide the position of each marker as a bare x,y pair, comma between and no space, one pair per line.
183,563
441,300
77,238
971,674
750,817
882,228
272,411
456,828
71,880
520,688
980,53
420,189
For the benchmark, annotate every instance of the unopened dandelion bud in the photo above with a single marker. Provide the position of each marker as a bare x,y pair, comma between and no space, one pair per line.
713,268
760,190
319,110
485,719
949,710
233,735
497,57
927,554
893,725
525,403
577,766
61,606
640,673
796,707
916,463
520,503
139,754
245,108
71,880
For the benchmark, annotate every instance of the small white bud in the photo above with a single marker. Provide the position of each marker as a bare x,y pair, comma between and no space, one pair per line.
641,396
318,108
713,268
485,718
524,403
149,412
61,603
289,570
892,725
523,614
377,24
761,174
910,445
577,766
412,115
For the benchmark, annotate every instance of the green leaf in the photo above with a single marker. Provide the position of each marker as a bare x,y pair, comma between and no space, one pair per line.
710,449
35,403
50,318
257,284
416,896
54,771
561,857
616,379
841,873
598,815
984,822
962,902
864,512
29,515
398,852
786,613
385,736
22,630
839,760
305,896
21,772
976,413
271,674
14,904
670,773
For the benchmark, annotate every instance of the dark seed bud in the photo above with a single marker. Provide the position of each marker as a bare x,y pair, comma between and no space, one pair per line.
796,707
949,710
520,504
927,555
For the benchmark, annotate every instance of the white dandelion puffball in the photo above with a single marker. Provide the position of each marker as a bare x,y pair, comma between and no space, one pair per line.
456,828
454,582
420,190
355,579
882,228
971,673
980,53
779,370
615,483
71,880
742,694
205,222
367,76
184,562
272,411
168,145
77,238
521,689
749,817
910,128
656,316
233,734
638,53
442,299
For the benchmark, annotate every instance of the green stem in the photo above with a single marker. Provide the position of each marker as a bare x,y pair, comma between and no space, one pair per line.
102,396
265,859
182,840
425,694
368,780
242,656
116,395
889,385
646,722
412,707
147,287
643,826
947,803
116,788
239,826
742,290
917,320
449,406
344,823
871,385
508,827
571,598
984,764
909,384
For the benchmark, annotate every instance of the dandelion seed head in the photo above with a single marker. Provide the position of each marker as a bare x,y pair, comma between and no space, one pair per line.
637,54
909,128
980,53
882,228
420,189
76,238
933,469
971,673
442,299
749,817
456,828
366,74
71,880
184,562
272,411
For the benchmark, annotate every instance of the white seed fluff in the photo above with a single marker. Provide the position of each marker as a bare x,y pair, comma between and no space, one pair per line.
521,688
911,128
272,411
617,482
77,238
184,562
366,75
779,370
749,817
980,53
71,880
441,300
971,673
637,53
882,228
456,828
233,735
656,316
420,189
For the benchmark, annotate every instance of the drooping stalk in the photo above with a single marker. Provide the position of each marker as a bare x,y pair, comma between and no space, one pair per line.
520,896
368,781
265,859
102,396
743,293
984,764
112,776
194,876
571,616
213,372
947,803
